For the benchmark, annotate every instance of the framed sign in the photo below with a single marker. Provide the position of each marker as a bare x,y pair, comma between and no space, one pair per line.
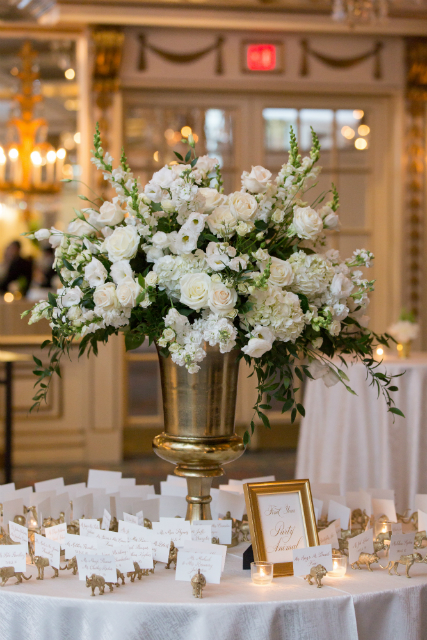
281,519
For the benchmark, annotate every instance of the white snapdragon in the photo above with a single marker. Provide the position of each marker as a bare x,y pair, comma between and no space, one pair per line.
329,217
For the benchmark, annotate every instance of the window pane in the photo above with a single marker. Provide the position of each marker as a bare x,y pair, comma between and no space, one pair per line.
144,392
277,124
322,122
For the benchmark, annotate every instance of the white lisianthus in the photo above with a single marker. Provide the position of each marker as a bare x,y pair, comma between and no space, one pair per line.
257,180
95,273
195,288
164,177
127,292
69,297
195,222
122,244
42,234
110,214
55,238
153,191
105,298
205,164
160,240
237,262
324,371
222,222
221,298
329,217
243,206
213,199
151,279
281,273
341,287
307,223
186,240
216,257
121,270
80,228
261,341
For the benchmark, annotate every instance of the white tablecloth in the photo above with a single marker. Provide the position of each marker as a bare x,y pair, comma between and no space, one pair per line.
353,440
359,606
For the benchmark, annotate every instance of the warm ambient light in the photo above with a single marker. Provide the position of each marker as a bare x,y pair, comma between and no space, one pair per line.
13,153
61,153
70,74
358,114
156,156
360,144
380,351
195,137
8,297
399,347
348,132
363,130
186,131
36,158
77,137
51,156
169,134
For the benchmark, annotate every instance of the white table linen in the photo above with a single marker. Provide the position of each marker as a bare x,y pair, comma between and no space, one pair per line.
359,606
353,440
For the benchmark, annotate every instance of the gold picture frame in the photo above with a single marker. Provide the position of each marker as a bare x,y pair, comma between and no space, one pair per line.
274,521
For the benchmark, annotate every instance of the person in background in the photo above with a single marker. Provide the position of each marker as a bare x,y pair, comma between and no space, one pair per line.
44,266
16,269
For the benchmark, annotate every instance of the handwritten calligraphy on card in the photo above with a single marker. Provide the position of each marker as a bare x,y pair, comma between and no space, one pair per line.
189,562
97,564
282,525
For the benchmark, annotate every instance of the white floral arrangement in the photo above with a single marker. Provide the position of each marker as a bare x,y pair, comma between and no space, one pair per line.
182,263
406,329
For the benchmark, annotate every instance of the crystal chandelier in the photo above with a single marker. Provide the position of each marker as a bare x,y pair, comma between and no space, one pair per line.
28,163
354,11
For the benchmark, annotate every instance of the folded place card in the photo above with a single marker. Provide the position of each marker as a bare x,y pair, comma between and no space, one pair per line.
161,545
320,488
384,507
46,548
305,559
121,554
137,491
422,520
12,508
327,497
60,504
100,502
140,517
56,484
75,490
176,480
259,479
142,553
151,509
57,533
106,520
74,545
202,547
329,536
135,531
178,530
316,513
381,494
99,479
201,533
338,511
359,500
189,562
396,527
13,555
6,490
318,504
83,507
26,493
234,488
100,565
172,489
127,482
401,544
43,508
362,542
88,526
231,502
420,502
109,538
127,517
18,533
172,506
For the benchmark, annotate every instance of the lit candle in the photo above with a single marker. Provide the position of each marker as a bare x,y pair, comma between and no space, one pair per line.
262,572
339,566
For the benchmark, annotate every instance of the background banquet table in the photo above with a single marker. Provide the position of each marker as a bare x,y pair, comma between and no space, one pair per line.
354,441
359,606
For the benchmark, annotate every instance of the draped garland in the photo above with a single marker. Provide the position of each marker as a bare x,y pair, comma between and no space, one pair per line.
181,58
341,63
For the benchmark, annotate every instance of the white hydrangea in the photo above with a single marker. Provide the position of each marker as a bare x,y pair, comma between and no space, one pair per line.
312,273
278,309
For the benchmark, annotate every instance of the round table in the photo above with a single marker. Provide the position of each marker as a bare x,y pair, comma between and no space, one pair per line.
359,606
354,441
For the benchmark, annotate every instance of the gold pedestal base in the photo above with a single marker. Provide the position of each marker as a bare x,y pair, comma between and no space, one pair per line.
198,460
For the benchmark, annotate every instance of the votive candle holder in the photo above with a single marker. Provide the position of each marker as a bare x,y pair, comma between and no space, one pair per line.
262,572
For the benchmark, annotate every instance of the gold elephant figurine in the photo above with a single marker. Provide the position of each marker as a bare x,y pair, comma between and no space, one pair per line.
316,573
9,572
407,561
98,581
198,582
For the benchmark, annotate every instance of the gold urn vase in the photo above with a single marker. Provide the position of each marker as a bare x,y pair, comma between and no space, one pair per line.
199,432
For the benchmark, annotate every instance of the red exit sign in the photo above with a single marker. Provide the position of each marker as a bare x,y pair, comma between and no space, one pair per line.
262,57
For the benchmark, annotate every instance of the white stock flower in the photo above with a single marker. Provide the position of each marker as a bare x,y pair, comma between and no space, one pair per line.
122,244
69,297
341,287
105,298
307,223
221,221
42,234
110,214
195,288
257,180
127,292
95,273
281,273
205,164
243,206
213,199
221,298
164,177
80,228
160,240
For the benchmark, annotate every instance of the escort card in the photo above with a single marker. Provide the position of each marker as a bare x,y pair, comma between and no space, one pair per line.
189,562
135,531
109,538
58,533
259,479
127,517
231,502
219,549
106,520
12,508
381,494
13,555
420,502
88,526
396,527
305,559
201,533
329,536
142,553
151,509
318,504
178,531
171,506
359,500
401,544
161,545
83,507
362,542
121,554
56,484
326,497
46,548
103,479
18,533
172,489
422,520
140,516
383,507
338,511
100,565
74,545
320,488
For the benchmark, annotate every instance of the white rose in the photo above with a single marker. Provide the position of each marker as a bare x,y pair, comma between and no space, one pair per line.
95,273
151,279
105,297
195,289
242,205
221,221
281,273
110,214
256,347
341,287
80,228
257,180
307,223
329,217
123,243
243,228
69,297
164,178
160,240
42,234
74,313
261,255
205,164
221,299
169,334
236,263
121,270
213,199
127,292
